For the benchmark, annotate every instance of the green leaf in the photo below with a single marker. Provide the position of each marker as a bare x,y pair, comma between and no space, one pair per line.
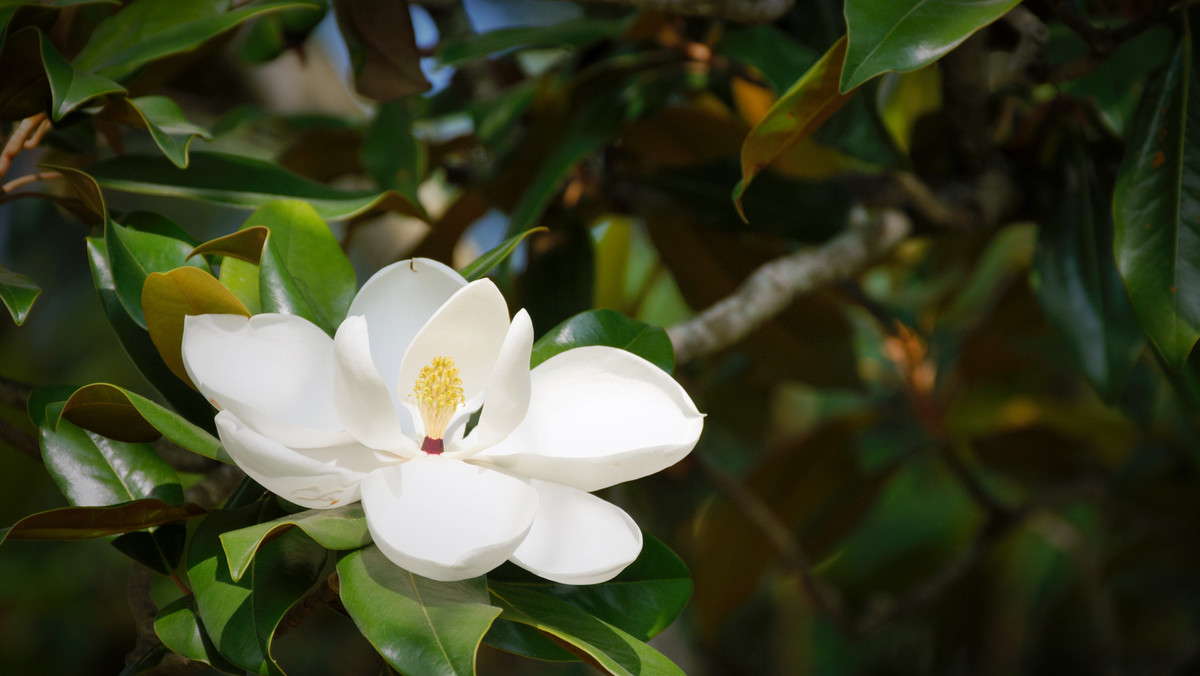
160,116
794,117
343,527
134,255
592,638
383,48
1077,282
122,415
45,403
18,292
169,297
904,35
240,182
484,264
138,345
178,627
1156,209
611,328
302,270
159,549
146,30
643,600
420,626
524,640
391,154
92,470
571,33
245,244
87,523
241,616
778,55
38,79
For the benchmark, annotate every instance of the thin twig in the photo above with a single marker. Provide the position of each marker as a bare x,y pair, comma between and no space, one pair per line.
142,606
825,598
14,394
16,142
36,138
741,11
29,178
18,439
770,288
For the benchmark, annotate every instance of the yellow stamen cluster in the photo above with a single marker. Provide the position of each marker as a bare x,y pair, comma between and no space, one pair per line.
439,393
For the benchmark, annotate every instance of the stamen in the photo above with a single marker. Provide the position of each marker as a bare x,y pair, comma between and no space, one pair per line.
438,392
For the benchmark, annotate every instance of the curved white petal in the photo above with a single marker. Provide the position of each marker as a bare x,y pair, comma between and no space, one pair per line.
445,519
506,397
469,328
362,399
599,416
577,538
273,371
397,301
316,478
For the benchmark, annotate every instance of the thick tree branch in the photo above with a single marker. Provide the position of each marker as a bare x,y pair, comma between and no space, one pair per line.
770,288
741,11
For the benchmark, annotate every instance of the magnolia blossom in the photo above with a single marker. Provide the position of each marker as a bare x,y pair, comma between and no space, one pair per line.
380,413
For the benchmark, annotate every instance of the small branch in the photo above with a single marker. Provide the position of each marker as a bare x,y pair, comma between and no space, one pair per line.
825,598
142,606
16,142
25,444
14,394
29,178
741,11
770,288
325,593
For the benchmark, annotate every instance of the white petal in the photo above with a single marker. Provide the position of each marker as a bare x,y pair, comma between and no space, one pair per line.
316,478
506,397
469,328
273,371
363,401
577,538
445,519
397,301
599,416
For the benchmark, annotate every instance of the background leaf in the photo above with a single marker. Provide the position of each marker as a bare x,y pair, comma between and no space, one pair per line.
382,47
18,292
607,327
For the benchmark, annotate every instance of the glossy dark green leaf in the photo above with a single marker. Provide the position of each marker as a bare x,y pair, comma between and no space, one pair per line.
239,182
38,79
339,528
159,549
643,600
479,267
134,255
570,33
611,328
146,30
92,470
1156,209
178,626
117,413
138,345
46,403
795,116
241,616
71,88
383,48
420,626
606,646
524,640
160,116
302,270
87,523
904,35
1078,285
18,292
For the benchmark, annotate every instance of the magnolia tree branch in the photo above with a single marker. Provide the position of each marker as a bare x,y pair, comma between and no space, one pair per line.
770,288
741,11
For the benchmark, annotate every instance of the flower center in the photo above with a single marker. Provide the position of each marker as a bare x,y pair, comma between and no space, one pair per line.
439,393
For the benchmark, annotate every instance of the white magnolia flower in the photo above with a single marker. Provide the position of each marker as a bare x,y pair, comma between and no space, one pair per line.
378,413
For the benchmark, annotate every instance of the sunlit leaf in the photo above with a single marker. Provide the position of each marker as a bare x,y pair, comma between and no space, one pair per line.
92,470
339,528
168,297
611,328
178,627
134,255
